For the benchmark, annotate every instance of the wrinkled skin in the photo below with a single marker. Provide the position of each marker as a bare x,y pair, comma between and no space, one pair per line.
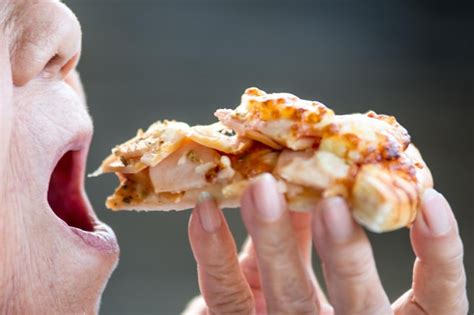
46,266
50,267
273,273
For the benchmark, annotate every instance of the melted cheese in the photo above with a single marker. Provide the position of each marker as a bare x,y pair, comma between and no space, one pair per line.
313,153
184,169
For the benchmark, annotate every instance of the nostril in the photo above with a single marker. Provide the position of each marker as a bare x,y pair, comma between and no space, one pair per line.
52,67
71,64
58,65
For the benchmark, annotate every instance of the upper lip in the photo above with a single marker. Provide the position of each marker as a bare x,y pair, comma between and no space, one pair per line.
68,200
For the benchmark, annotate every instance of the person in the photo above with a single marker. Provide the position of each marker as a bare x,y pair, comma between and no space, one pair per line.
56,256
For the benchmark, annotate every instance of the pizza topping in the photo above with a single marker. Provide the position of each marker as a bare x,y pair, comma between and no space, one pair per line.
172,174
281,117
226,172
363,139
121,164
256,160
382,198
366,158
316,169
153,145
193,157
220,138
132,190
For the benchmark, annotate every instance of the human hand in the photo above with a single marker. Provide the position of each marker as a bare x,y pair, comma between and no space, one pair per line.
274,273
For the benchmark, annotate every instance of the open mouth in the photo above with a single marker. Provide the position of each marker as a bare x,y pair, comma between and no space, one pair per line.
65,195
68,201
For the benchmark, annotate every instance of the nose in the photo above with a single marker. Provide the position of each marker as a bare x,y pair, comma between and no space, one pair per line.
47,42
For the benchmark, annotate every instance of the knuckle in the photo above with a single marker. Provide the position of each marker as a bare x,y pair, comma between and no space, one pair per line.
369,301
276,244
219,272
457,303
357,264
452,253
449,266
456,255
300,304
446,251
229,293
232,300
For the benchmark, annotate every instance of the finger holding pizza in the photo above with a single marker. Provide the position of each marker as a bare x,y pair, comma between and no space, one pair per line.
299,172
368,159
274,273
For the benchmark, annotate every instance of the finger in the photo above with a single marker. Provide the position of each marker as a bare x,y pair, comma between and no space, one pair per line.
221,281
301,223
284,278
196,306
439,278
248,263
351,276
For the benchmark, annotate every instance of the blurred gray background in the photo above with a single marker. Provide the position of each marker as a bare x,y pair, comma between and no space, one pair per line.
149,60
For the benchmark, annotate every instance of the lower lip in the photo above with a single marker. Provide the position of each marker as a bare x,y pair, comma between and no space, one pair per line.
102,238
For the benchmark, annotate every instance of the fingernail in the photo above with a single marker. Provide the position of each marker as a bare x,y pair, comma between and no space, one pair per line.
268,201
337,219
436,212
208,212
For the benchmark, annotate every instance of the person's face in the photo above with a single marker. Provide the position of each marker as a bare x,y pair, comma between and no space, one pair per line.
55,255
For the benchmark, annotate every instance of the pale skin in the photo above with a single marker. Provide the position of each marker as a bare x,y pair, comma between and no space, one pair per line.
52,266
273,273
46,265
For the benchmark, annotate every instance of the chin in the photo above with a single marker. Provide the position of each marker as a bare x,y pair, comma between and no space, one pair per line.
58,255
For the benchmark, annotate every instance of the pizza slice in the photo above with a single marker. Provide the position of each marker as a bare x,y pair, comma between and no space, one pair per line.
313,153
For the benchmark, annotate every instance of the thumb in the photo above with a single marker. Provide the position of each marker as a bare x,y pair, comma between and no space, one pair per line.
439,278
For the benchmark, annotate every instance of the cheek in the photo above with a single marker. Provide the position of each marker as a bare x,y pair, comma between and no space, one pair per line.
5,102
34,251
47,116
